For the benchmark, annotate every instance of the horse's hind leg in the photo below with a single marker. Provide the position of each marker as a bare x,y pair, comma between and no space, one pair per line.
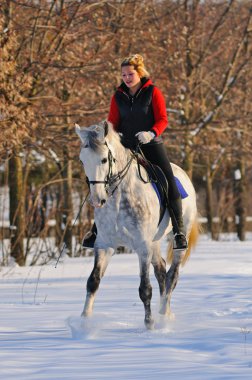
102,258
145,290
171,282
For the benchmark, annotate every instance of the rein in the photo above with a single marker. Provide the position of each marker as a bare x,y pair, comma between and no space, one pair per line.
116,179
111,178
139,166
119,176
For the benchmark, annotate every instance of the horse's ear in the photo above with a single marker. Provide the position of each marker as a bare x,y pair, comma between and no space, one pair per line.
80,132
106,128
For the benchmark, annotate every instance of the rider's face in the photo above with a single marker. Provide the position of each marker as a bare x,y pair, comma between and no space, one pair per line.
130,77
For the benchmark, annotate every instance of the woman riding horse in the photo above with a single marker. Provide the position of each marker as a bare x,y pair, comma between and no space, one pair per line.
138,112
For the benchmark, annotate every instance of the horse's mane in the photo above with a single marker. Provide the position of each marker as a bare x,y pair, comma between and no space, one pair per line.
96,143
113,136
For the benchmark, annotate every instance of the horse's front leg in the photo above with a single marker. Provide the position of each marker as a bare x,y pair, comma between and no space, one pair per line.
145,290
159,266
102,257
171,282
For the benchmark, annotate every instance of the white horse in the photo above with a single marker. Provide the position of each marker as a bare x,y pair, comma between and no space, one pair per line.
127,213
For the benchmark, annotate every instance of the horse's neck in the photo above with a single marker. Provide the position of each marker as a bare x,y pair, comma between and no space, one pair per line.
123,156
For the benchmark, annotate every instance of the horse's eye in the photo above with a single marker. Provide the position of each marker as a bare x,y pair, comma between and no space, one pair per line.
104,160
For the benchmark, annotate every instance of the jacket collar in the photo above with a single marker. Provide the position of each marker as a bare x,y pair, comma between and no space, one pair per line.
145,83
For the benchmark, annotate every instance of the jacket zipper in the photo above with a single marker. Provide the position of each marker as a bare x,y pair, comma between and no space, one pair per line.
131,99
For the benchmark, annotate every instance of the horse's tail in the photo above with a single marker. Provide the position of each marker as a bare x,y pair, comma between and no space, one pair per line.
192,241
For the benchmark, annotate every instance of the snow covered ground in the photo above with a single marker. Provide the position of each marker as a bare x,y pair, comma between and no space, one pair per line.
43,337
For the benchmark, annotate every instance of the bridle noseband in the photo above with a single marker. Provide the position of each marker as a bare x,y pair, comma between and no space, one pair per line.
111,159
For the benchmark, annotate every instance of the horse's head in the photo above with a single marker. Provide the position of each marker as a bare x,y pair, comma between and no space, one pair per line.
97,159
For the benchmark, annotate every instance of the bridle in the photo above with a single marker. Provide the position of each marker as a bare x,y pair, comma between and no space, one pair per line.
112,179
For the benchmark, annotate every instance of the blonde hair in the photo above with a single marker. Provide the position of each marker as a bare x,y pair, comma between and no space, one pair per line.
136,60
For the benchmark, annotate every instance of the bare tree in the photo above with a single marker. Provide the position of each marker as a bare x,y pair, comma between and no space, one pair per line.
65,61
18,124
208,52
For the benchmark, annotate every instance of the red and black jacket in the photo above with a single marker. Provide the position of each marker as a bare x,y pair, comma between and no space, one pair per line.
145,111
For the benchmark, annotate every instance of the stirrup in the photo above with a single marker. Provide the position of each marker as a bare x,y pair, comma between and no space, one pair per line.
180,242
89,240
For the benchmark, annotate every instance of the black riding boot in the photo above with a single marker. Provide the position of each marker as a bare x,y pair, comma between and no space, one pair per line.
180,242
89,238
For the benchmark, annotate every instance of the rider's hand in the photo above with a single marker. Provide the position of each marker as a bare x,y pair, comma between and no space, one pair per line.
145,137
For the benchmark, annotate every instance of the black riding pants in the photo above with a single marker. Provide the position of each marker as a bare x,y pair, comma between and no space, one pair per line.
156,154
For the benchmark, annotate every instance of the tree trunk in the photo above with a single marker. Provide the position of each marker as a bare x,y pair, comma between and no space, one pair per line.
17,209
209,202
67,215
58,216
188,159
240,200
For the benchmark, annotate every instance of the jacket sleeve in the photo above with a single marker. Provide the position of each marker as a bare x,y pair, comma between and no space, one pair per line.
160,113
114,115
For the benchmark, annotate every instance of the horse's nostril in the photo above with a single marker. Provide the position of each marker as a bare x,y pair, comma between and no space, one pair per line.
103,201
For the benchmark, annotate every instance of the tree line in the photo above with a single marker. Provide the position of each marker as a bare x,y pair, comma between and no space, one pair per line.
60,64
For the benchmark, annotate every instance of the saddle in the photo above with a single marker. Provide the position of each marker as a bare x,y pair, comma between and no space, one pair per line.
160,185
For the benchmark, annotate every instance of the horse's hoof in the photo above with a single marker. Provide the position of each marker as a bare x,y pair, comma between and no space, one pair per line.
167,314
162,310
149,323
171,316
